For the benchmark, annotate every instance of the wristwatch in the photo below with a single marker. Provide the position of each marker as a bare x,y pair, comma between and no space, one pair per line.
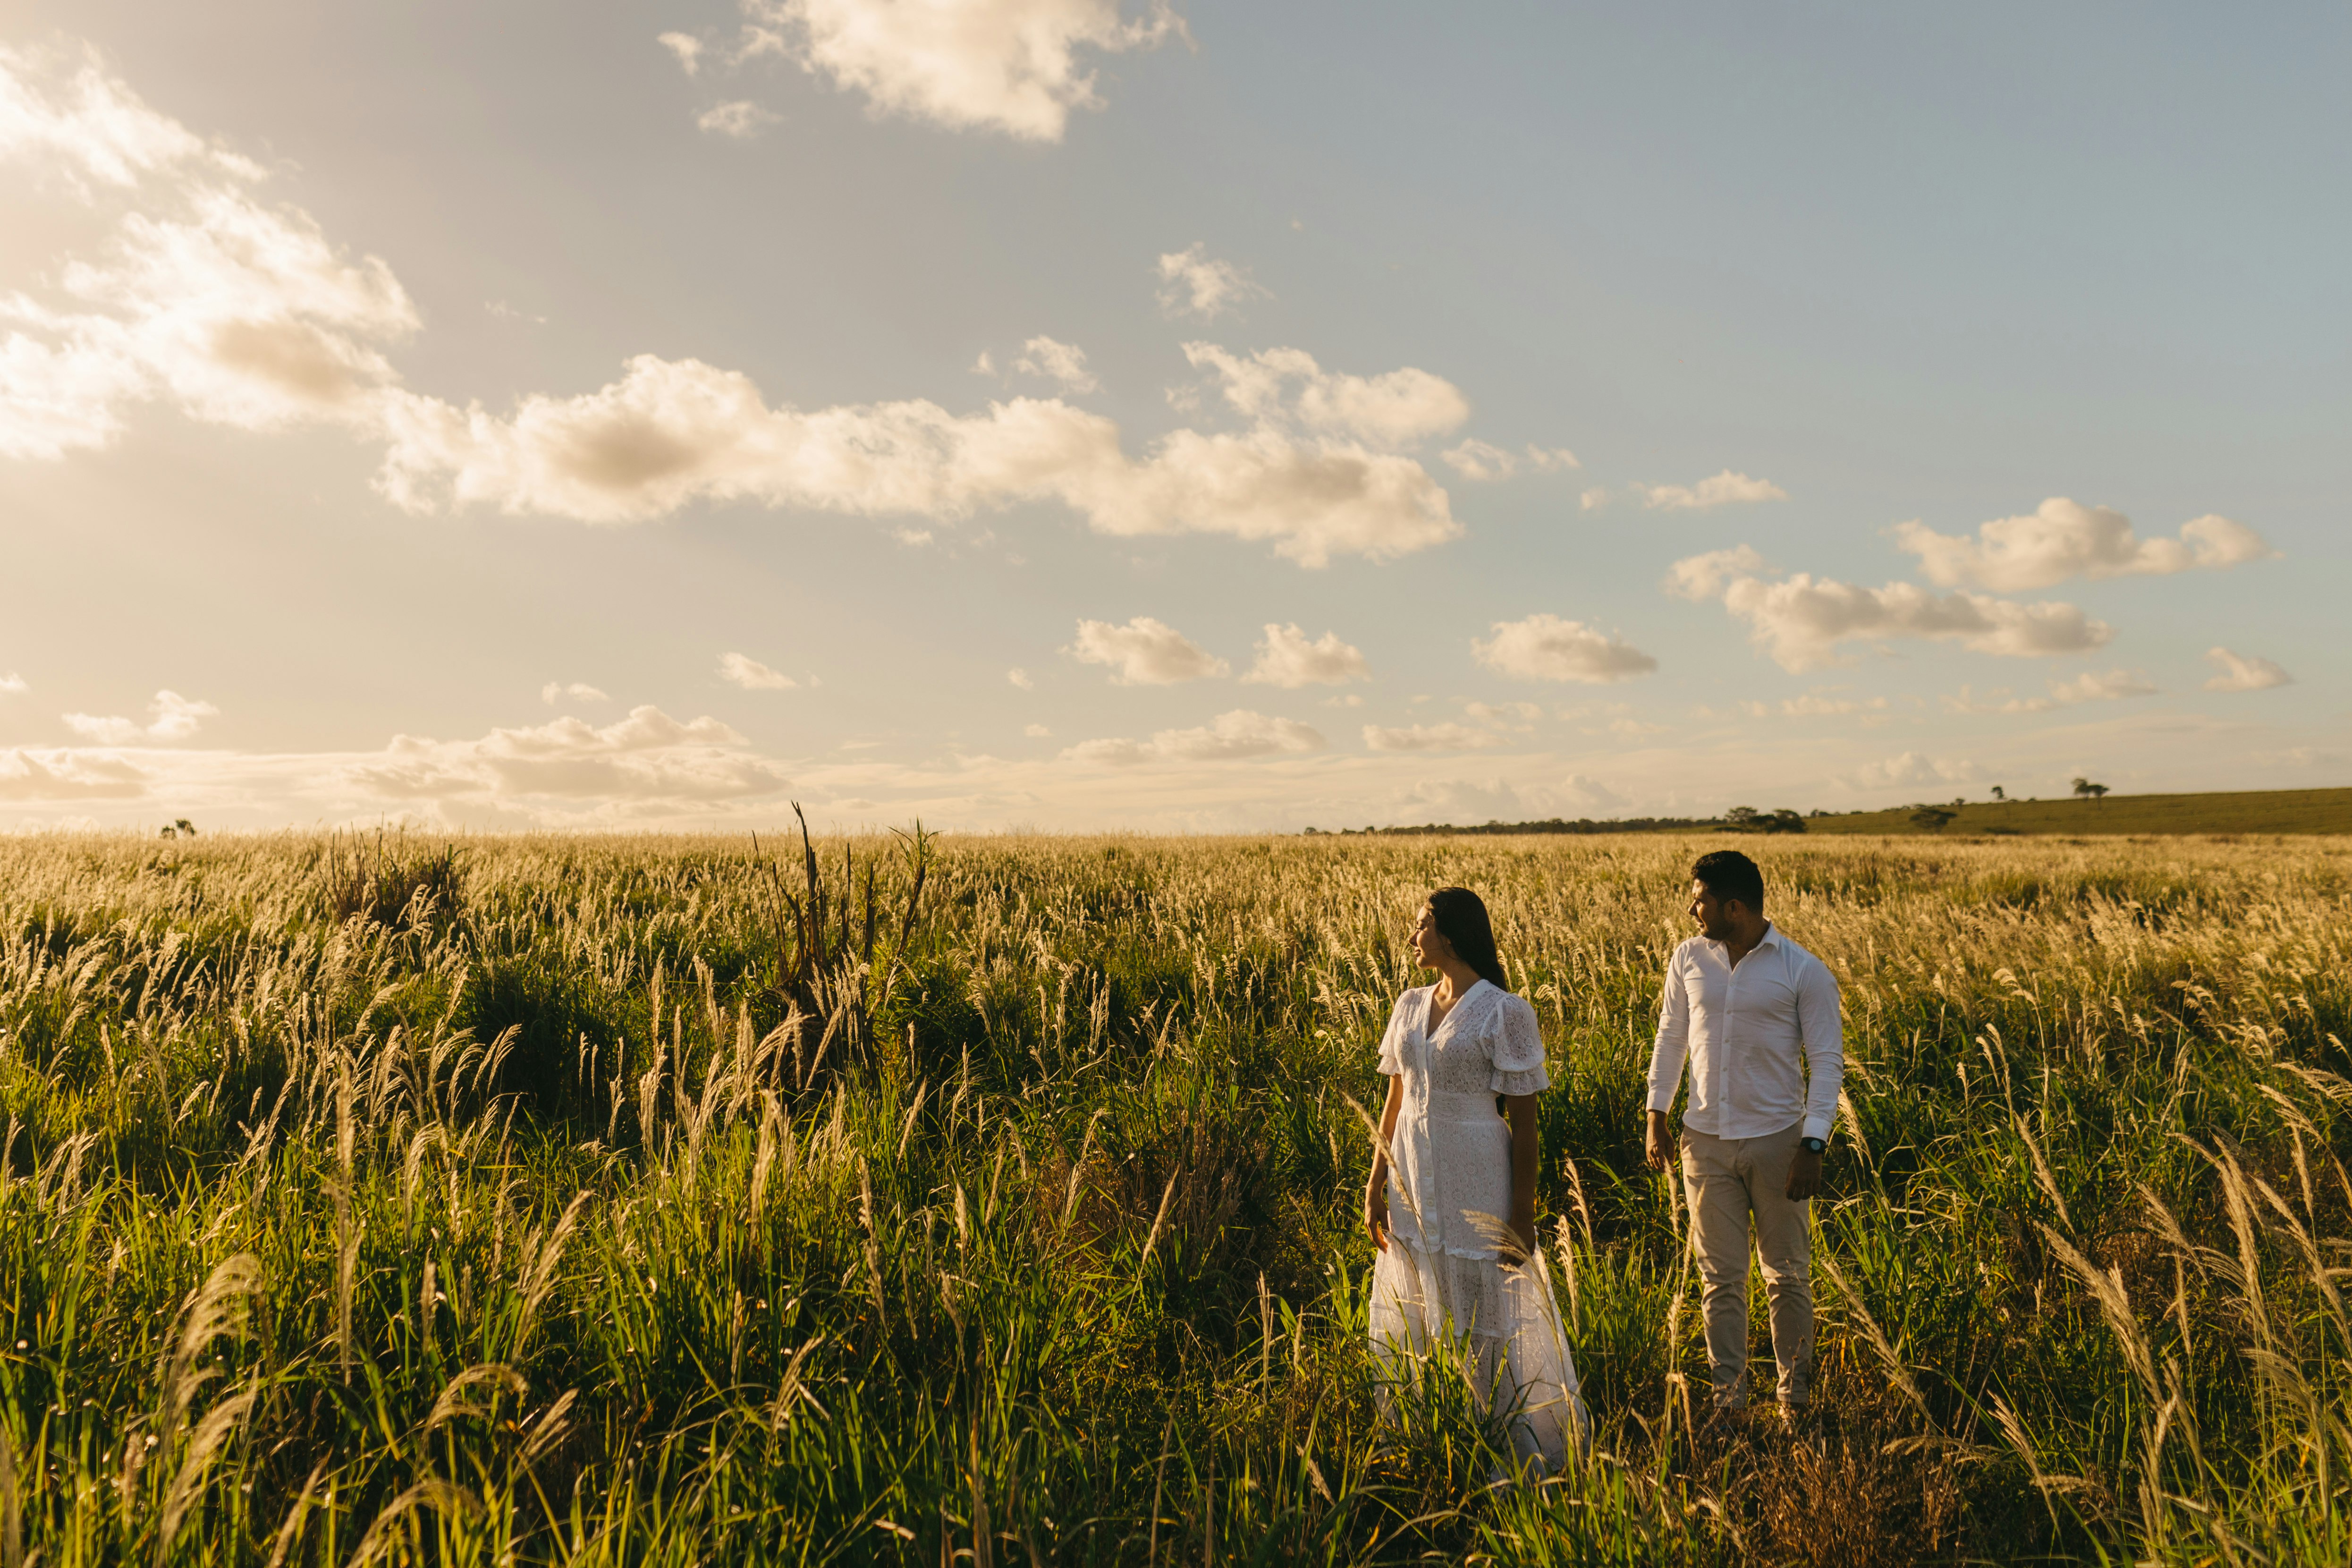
1811,1145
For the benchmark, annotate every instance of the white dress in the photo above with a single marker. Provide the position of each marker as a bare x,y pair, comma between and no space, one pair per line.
1441,1281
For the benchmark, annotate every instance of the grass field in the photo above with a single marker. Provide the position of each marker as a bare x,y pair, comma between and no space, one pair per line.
2250,811
632,1201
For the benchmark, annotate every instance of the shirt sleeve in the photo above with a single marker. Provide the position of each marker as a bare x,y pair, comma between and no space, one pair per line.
1823,1036
1518,1050
1392,1038
1674,1038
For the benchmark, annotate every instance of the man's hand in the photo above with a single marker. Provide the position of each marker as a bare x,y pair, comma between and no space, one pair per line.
1660,1145
1804,1175
1376,1213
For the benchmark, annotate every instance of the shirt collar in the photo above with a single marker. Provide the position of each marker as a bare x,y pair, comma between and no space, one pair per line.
1771,938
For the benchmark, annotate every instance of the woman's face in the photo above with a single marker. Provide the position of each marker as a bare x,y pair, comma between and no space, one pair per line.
1429,944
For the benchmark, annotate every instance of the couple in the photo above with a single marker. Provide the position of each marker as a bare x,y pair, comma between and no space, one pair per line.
1452,1201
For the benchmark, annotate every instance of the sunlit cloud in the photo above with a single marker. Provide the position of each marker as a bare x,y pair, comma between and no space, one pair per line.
1545,648
1194,283
1230,737
2244,672
2063,538
1285,657
742,669
1144,652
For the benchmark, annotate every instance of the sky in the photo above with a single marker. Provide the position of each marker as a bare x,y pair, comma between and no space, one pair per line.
1074,414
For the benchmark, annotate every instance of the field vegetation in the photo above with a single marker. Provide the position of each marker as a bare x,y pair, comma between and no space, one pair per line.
995,1199
2328,811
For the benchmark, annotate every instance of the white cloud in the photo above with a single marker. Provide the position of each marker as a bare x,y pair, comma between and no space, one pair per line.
2089,687
1513,715
64,774
1145,652
1480,461
1021,679
671,432
1452,800
686,47
1802,621
1393,409
1230,737
247,315
1814,705
1035,731
742,669
243,313
648,758
1703,577
1009,66
1194,283
1592,794
2244,672
1446,737
2062,539
1594,498
175,719
1914,768
555,691
1057,362
1545,648
740,119
12,683
1725,488
1286,658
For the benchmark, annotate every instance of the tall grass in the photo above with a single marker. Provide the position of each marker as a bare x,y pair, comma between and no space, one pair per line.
644,1201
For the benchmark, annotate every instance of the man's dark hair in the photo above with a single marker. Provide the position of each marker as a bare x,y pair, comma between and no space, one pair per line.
1730,875
1460,917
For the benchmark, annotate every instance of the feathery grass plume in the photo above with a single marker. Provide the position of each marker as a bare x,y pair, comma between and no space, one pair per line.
397,1519
211,1432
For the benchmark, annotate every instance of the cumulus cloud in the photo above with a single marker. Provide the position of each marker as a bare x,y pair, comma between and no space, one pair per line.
1286,658
175,718
1021,679
2091,686
1726,488
1194,283
12,683
1914,768
246,314
647,757
1144,652
28,774
1592,792
742,669
686,48
1393,409
555,691
1545,648
1035,731
1814,705
2062,539
1007,65
241,312
1481,461
1802,621
1230,737
1057,362
1513,715
1446,737
2244,672
670,432
739,119
1704,577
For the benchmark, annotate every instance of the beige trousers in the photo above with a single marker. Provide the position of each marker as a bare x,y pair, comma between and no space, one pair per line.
1729,1182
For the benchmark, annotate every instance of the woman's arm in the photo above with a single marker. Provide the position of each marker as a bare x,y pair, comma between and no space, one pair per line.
1525,1156
1376,1191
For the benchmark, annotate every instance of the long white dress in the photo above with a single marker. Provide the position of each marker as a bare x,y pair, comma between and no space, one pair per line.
1441,1286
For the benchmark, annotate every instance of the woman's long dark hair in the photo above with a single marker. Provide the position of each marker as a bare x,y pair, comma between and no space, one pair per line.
1460,917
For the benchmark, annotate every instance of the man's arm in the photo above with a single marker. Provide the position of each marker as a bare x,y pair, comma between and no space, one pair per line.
1666,1053
1823,1034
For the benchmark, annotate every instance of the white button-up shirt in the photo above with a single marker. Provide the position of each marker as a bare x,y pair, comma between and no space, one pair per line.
1751,1033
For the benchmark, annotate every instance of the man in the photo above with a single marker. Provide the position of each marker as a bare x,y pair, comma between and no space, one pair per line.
1757,1015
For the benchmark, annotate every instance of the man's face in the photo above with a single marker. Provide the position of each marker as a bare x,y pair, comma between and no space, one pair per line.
1714,920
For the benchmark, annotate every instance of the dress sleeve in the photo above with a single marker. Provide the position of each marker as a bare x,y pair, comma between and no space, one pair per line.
1518,1050
1392,1038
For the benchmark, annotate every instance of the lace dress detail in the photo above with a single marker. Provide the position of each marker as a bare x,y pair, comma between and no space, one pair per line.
1442,1282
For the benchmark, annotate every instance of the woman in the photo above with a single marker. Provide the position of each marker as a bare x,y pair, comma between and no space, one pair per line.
1452,1201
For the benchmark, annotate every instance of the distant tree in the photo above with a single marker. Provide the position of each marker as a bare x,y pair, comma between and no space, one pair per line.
1997,795
1745,819
2086,790
1931,818
1784,820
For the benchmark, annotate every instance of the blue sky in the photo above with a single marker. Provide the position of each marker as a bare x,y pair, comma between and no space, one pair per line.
318,410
